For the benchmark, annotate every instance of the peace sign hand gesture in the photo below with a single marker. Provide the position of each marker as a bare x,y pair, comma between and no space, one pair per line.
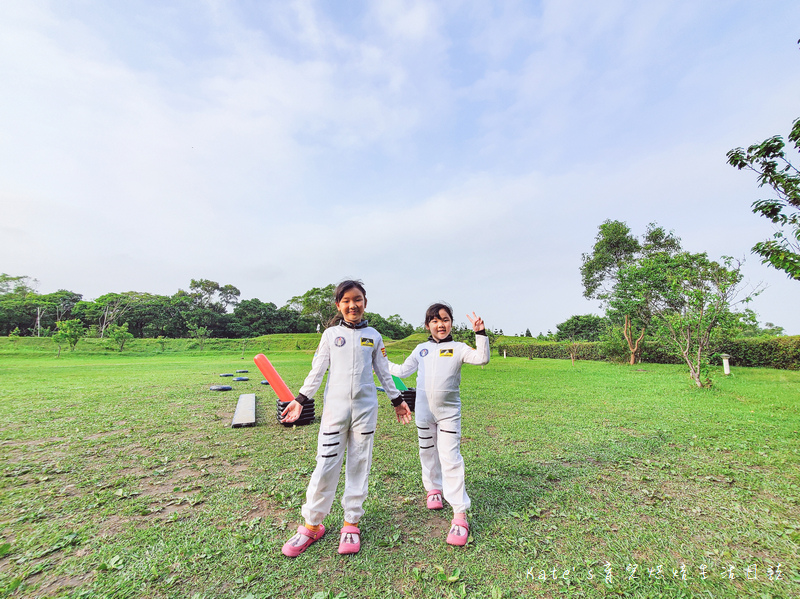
477,322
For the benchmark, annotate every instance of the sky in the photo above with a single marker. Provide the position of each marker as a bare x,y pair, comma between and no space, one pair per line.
452,150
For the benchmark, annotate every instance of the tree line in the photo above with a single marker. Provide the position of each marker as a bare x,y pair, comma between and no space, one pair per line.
207,309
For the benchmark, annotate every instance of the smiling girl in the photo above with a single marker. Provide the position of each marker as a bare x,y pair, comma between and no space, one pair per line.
438,411
350,351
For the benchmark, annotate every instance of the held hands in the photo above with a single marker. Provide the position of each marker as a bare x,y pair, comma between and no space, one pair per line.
403,413
477,322
292,411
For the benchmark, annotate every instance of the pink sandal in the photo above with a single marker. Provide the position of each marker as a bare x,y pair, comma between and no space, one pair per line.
350,541
435,500
459,532
293,547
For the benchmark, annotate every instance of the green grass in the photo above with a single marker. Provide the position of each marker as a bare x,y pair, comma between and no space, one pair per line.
121,477
23,346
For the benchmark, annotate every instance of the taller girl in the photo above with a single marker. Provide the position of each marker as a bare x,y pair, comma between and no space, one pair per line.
438,411
351,350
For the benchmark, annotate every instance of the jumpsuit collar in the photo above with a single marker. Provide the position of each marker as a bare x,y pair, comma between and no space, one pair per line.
361,325
445,340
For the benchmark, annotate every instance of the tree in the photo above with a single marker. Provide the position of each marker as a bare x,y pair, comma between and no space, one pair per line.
107,309
204,290
18,307
689,298
768,160
616,248
587,327
749,327
393,327
199,333
316,303
69,333
229,295
20,286
528,333
119,335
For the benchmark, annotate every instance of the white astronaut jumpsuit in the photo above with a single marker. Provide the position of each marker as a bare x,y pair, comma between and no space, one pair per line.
438,412
349,416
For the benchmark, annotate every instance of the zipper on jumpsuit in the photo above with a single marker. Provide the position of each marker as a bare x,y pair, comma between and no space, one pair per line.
353,332
433,381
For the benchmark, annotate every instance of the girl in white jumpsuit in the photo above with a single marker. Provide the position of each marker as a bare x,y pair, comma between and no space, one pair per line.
438,411
349,351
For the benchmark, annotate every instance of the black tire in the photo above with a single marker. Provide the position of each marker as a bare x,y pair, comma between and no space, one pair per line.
298,422
220,388
241,371
227,374
410,397
240,378
265,382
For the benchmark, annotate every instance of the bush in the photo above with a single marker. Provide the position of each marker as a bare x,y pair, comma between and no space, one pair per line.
551,349
767,352
764,352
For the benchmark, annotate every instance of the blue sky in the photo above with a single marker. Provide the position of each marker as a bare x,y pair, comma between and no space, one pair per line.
453,150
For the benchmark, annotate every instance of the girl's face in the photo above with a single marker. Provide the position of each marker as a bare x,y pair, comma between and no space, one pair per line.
439,326
352,305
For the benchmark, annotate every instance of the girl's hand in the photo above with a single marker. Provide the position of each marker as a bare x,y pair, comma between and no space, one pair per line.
292,411
477,322
403,413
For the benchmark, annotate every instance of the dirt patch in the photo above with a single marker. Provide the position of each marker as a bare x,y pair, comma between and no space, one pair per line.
59,585
35,442
102,435
112,526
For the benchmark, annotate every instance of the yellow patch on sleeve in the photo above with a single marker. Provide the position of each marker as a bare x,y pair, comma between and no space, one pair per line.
446,353
367,341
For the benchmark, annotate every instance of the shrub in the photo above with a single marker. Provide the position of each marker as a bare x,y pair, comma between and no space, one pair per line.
764,352
767,352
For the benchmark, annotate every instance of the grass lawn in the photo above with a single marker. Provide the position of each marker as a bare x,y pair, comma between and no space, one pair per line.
121,477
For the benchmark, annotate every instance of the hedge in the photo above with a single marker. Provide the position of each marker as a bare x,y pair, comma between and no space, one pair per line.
771,352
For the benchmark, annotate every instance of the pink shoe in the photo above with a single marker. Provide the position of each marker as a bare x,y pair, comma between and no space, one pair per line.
459,532
295,546
350,541
435,500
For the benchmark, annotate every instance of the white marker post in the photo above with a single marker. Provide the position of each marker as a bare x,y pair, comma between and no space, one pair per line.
726,366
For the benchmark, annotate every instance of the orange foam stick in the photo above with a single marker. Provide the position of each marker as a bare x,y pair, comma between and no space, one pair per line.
273,378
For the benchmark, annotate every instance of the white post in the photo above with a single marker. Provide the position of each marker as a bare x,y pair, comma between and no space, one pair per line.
504,353
726,366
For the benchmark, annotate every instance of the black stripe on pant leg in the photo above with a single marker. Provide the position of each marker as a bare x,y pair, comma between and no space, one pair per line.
427,447
330,444
441,430
330,455
424,438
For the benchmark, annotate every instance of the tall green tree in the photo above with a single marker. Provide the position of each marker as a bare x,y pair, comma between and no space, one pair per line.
616,247
317,303
393,327
586,327
775,170
689,298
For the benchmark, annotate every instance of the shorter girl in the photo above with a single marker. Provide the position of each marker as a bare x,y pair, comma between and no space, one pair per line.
438,411
351,350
